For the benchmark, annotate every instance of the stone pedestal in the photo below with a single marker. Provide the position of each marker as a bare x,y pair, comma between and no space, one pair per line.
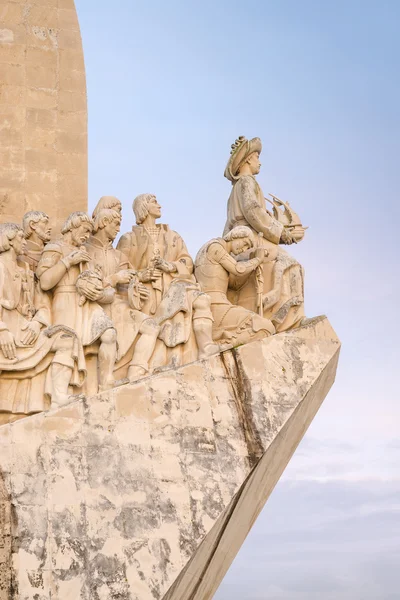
149,490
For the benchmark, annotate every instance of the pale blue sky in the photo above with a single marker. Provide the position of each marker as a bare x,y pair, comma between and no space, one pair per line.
171,85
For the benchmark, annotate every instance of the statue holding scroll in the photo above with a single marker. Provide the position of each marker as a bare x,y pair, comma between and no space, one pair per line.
179,306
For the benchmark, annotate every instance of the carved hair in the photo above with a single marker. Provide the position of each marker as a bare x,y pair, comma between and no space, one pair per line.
103,216
8,231
32,216
141,207
107,202
75,220
241,231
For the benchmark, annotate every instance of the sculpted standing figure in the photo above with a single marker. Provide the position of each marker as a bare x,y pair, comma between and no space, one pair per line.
37,232
76,292
37,363
123,306
283,278
175,299
215,269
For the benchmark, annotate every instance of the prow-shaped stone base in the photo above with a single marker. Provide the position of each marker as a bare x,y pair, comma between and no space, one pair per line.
148,491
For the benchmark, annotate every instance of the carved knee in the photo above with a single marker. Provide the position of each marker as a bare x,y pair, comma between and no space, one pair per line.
150,327
109,336
202,307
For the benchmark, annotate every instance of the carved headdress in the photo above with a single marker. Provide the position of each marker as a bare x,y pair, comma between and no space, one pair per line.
241,150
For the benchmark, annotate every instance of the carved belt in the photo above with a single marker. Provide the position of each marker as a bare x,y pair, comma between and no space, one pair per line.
62,289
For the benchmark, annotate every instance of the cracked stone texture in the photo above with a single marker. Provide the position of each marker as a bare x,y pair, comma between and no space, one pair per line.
43,112
148,491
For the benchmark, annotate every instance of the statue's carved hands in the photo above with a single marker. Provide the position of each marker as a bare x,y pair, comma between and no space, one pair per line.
7,344
287,238
146,276
76,257
91,290
164,265
32,330
149,275
125,276
260,254
144,292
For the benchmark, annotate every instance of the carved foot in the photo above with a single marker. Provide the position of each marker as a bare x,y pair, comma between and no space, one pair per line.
106,386
135,372
209,350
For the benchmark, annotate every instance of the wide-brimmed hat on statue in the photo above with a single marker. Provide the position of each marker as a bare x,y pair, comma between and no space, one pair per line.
241,150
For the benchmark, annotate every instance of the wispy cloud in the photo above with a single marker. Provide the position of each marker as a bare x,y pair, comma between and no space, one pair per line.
330,531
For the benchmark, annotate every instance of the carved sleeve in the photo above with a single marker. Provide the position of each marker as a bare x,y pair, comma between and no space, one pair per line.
256,215
50,269
183,260
220,255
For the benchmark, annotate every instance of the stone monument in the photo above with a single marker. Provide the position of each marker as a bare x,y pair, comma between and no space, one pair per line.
149,402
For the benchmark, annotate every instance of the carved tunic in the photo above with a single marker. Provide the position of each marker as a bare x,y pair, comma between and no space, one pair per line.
24,384
126,321
283,295
213,268
88,321
140,248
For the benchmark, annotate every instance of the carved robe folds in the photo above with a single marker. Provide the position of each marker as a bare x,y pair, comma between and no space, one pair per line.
26,383
127,321
89,320
283,286
175,300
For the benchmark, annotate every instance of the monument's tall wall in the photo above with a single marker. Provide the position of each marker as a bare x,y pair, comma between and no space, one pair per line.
43,122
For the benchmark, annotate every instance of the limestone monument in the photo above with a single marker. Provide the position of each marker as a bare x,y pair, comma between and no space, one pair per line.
148,403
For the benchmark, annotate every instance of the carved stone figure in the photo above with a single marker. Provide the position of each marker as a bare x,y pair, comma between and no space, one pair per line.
175,299
61,268
283,286
215,269
37,362
132,325
37,232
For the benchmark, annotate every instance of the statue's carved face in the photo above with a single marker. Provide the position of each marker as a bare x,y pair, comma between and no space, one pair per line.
19,243
42,229
112,228
254,163
154,208
240,245
81,234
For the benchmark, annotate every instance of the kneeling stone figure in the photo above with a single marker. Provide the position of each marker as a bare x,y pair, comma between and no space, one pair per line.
215,270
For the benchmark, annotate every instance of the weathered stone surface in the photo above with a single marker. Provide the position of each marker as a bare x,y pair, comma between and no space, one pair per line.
153,486
43,115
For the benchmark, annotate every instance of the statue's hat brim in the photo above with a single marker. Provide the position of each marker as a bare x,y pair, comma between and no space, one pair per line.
241,149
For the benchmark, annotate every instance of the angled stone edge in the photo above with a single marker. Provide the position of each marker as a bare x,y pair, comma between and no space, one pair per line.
203,574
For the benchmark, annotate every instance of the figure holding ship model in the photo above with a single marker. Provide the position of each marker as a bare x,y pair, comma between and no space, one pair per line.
277,288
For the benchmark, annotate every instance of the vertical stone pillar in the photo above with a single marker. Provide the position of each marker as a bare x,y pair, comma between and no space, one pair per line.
43,111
